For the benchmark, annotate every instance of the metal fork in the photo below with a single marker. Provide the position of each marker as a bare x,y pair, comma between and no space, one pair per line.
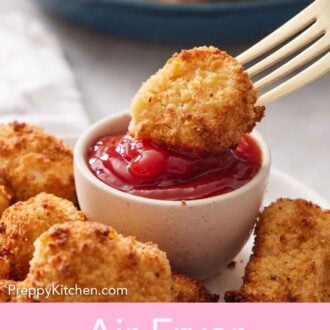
313,24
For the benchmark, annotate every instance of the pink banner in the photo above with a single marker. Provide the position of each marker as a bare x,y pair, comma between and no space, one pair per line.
164,316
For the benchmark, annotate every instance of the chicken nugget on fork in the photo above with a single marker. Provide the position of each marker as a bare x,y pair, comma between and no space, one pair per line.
201,100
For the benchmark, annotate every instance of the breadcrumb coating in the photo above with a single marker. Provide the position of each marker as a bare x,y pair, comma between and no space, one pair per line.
4,199
92,255
23,222
291,259
31,161
4,267
186,289
5,295
201,100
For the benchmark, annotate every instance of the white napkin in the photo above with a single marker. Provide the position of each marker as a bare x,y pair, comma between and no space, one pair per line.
36,83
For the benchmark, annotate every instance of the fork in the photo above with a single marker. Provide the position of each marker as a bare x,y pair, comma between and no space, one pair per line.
311,25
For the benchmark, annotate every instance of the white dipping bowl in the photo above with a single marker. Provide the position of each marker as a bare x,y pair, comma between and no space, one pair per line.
200,236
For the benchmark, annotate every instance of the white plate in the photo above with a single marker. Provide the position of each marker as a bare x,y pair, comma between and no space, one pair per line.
280,185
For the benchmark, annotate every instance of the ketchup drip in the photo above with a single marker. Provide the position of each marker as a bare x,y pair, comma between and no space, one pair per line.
142,168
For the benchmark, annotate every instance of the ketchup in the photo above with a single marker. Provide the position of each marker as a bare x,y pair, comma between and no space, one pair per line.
142,168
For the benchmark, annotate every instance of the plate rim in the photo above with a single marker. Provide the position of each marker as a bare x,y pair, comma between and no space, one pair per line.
317,197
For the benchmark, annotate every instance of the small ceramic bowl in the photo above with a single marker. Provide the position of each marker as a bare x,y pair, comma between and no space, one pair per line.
200,236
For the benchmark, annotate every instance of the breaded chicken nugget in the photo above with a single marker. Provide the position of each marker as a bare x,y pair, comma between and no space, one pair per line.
186,289
31,161
201,100
4,267
23,222
291,259
92,255
4,199
5,294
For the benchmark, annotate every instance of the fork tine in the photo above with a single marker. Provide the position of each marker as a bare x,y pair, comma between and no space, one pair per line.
313,72
304,57
293,26
312,33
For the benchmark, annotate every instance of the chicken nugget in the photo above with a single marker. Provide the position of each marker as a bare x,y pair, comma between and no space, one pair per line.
4,199
23,222
92,255
186,289
4,267
6,292
291,259
31,161
202,100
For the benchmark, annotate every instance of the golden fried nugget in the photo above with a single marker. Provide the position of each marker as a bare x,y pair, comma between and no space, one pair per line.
4,199
92,255
201,100
4,267
23,222
31,161
5,294
186,289
291,259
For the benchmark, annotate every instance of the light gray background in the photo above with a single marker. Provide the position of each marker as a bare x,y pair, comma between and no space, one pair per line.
109,70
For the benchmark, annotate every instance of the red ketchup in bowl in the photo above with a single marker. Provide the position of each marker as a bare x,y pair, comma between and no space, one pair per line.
142,168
